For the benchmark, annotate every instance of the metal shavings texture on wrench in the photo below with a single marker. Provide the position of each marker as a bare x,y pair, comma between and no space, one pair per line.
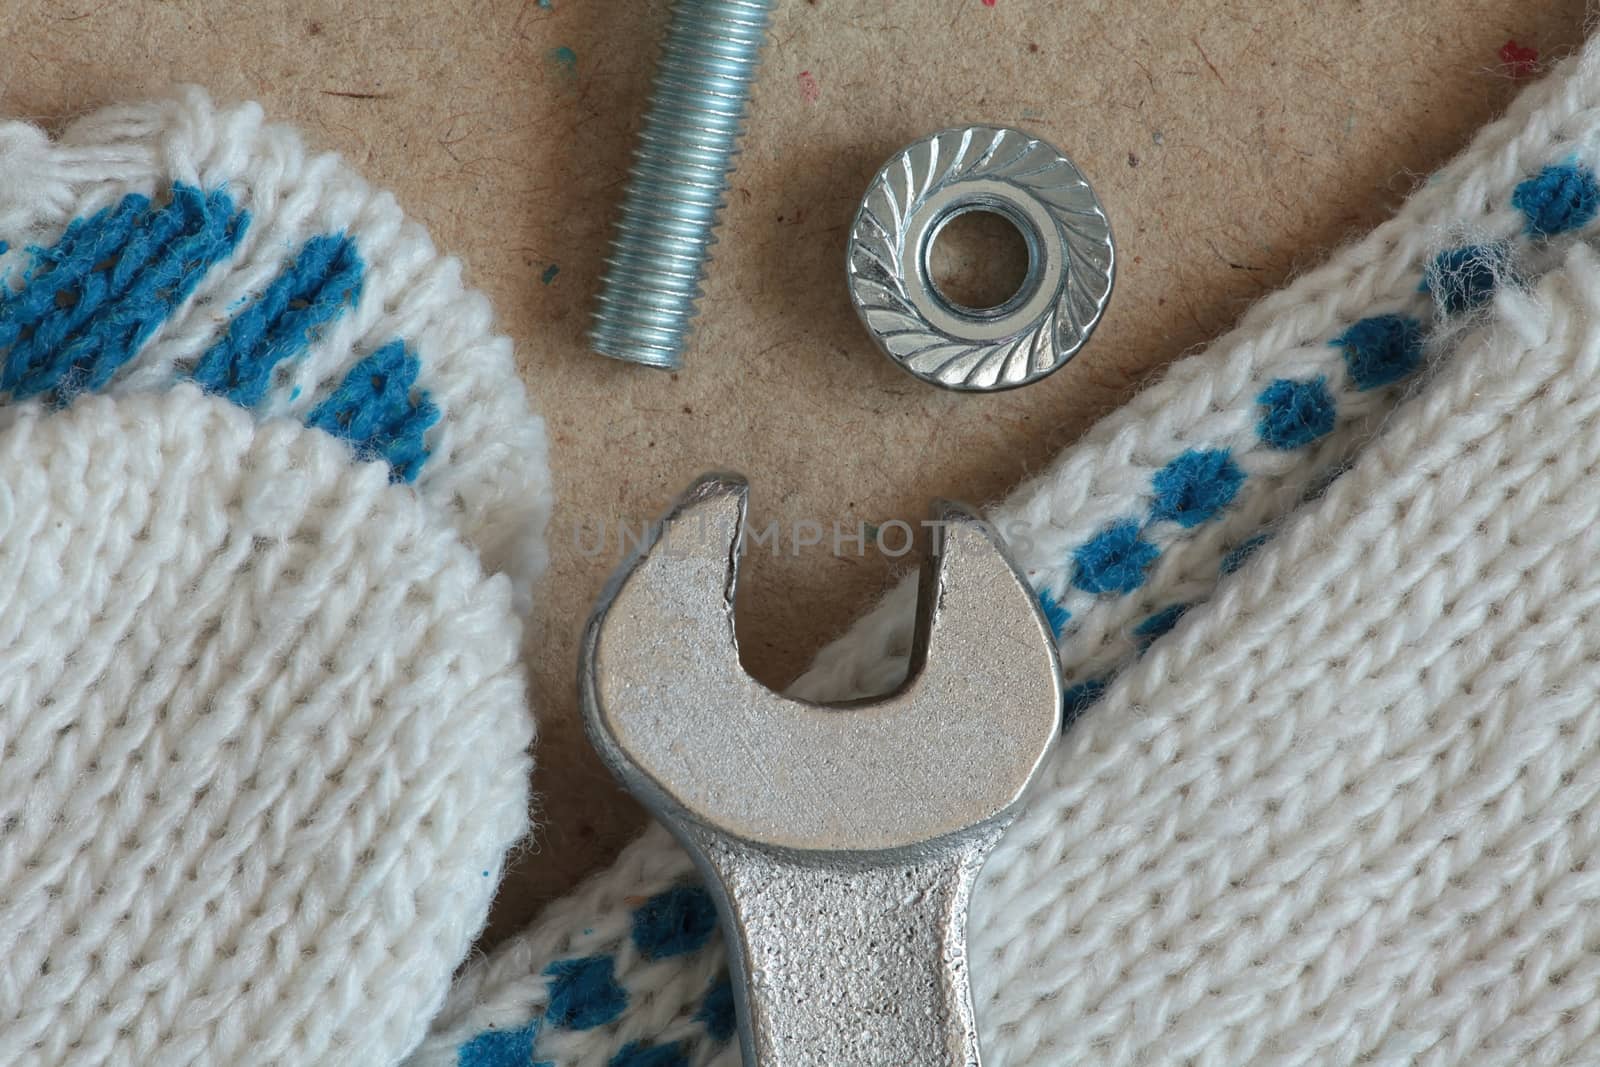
841,843
1071,259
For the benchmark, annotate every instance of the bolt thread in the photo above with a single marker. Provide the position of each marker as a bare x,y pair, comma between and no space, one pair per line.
676,188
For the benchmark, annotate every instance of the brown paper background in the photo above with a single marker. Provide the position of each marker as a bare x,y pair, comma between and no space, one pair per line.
1232,142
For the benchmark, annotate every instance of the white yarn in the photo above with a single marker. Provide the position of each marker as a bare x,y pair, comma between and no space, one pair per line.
488,468
262,742
1348,811
1344,813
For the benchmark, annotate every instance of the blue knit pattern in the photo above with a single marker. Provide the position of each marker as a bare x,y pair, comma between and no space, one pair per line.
501,1048
1381,350
584,993
323,280
1158,625
639,1054
717,1010
1463,279
1054,614
674,923
94,297
1236,556
1560,198
1195,487
89,302
379,410
1295,413
1114,561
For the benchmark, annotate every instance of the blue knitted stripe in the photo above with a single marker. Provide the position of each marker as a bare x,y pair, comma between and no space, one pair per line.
1115,560
209,232
500,1048
674,923
76,322
1054,614
59,271
1158,625
1195,487
1462,279
315,289
374,410
75,294
640,1054
1240,553
89,302
1560,198
1295,413
717,1010
584,993
1381,350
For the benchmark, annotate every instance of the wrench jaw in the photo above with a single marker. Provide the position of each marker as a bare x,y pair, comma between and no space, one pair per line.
672,710
982,628
841,843
667,610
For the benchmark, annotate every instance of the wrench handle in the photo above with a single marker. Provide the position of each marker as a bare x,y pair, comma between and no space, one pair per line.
855,959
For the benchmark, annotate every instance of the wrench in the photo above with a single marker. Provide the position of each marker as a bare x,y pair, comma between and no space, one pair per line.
840,843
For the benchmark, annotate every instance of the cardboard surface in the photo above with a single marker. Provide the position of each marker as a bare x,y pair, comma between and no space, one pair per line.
1232,142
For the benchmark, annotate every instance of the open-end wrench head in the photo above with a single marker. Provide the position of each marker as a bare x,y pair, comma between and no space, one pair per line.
674,714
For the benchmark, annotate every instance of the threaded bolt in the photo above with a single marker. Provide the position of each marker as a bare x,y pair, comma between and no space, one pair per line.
680,173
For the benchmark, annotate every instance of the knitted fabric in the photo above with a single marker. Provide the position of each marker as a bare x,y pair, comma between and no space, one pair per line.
175,240
263,734
1349,810
1338,809
262,741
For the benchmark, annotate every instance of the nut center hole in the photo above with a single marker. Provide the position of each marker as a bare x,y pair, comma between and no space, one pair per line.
979,260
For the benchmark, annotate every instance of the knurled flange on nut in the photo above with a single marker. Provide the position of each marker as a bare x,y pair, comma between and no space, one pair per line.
1031,184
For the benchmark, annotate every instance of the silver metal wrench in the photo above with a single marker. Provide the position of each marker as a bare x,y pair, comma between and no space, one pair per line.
841,843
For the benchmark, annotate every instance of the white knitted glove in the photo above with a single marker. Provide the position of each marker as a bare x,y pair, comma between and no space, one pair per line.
1350,810
262,742
263,733
1344,810
174,240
